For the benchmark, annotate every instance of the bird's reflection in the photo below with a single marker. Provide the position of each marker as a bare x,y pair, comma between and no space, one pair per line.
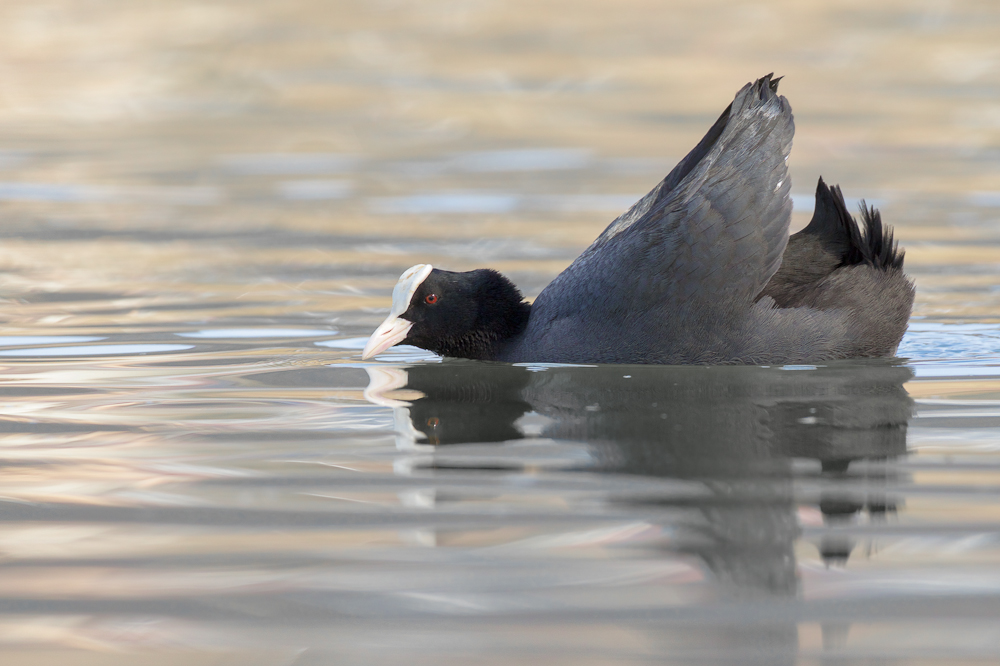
744,434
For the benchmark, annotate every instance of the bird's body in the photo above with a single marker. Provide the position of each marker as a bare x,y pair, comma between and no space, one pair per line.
700,270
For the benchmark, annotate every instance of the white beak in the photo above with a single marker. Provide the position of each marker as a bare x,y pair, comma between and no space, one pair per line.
392,331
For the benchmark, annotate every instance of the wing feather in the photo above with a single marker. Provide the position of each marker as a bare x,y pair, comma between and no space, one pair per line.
693,253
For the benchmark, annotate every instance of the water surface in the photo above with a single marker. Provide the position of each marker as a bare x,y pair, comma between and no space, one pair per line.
203,210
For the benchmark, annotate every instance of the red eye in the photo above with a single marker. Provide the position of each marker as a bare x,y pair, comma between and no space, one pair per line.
431,299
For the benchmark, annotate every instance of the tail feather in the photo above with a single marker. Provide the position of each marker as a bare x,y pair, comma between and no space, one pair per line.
870,242
878,249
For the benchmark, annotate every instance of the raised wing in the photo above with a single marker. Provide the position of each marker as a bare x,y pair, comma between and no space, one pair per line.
687,260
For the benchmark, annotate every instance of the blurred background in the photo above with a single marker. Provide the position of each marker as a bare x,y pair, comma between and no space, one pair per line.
204,207
174,141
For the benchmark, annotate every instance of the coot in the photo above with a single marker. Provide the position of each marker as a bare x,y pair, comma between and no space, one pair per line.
699,271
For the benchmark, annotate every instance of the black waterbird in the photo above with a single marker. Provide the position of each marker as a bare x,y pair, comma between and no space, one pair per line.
699,271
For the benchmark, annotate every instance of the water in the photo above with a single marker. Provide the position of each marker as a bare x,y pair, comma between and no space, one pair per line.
203,209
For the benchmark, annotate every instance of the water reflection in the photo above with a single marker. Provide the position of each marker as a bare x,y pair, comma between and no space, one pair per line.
743,436
740,453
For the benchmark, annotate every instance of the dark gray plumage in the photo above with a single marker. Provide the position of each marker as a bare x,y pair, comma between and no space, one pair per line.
856,277
696,272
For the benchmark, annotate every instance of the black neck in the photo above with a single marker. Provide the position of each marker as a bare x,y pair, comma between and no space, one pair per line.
497,325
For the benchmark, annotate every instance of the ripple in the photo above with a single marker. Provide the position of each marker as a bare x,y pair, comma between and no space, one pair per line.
314,190
21,340
70,193
96,350
397,354
934,342
251,333
445,202
497,202
499,161
344,343
288,164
